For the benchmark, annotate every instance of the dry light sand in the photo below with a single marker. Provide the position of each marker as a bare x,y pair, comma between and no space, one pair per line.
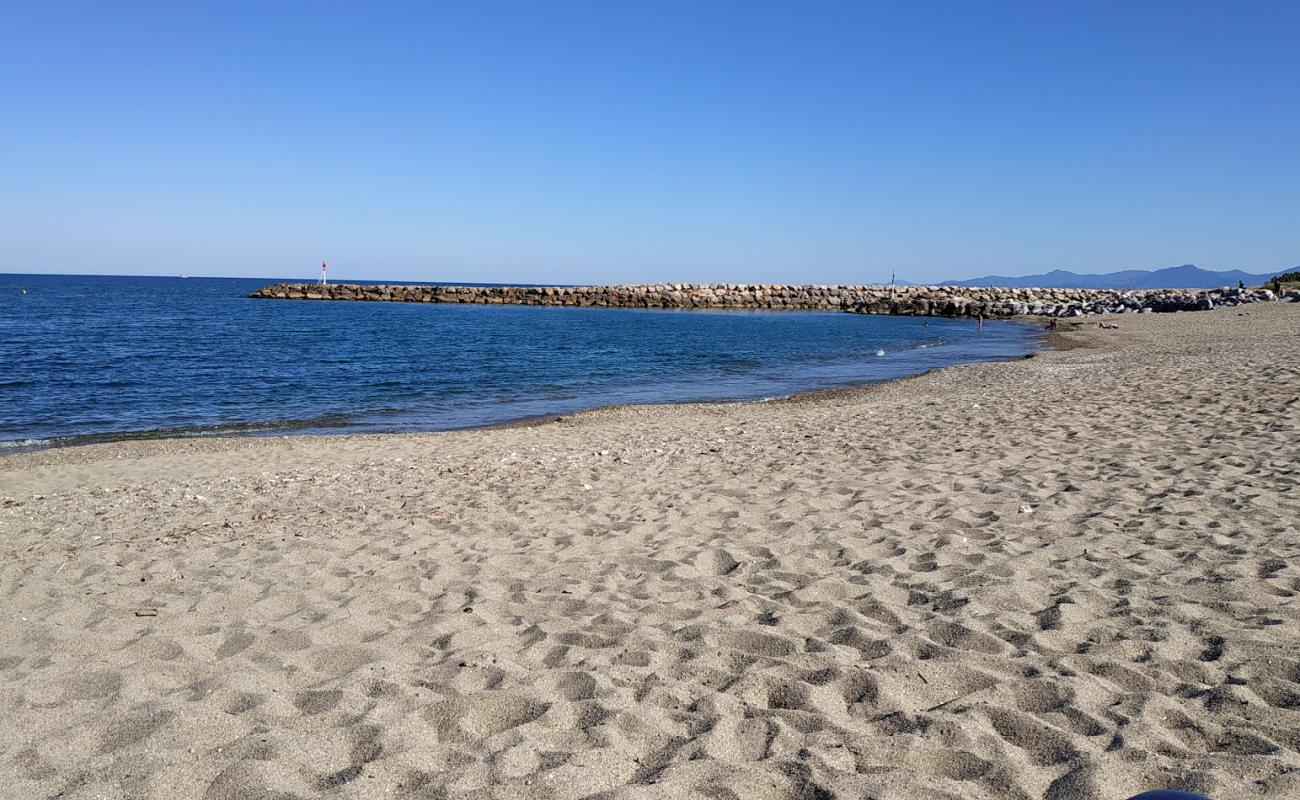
1070,577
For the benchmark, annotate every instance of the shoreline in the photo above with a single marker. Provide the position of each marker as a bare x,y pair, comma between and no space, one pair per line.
1070,576
1058,340
285,428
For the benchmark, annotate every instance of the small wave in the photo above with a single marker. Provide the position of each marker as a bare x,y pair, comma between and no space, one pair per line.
324,421
22,444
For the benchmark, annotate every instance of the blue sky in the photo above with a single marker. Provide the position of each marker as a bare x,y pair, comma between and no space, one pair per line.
620,141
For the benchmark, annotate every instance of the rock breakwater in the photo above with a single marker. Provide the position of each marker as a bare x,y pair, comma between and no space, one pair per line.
936,301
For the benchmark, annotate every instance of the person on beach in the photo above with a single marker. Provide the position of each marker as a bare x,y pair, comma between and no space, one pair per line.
980,318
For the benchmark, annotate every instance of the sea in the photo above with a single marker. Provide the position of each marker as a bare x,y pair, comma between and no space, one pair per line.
94,358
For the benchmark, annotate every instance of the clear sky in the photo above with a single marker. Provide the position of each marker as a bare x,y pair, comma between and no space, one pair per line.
623,141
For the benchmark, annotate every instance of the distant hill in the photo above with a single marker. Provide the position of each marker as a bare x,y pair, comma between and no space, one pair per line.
1187,276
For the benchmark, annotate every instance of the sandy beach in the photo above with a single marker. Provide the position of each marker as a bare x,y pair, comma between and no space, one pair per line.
1069,577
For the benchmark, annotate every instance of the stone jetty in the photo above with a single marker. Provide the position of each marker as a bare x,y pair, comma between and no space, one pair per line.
935,301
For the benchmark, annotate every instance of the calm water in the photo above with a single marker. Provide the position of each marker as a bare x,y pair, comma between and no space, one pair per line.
95,356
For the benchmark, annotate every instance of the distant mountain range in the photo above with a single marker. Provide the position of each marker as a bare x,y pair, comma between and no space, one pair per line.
1187,276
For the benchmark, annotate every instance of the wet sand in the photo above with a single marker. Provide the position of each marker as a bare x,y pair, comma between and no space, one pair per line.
1071,576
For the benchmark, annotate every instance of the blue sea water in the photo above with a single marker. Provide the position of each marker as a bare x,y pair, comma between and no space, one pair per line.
84,358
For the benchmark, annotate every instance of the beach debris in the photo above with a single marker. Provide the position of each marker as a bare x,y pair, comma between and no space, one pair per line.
586,487
146,612
1026,509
